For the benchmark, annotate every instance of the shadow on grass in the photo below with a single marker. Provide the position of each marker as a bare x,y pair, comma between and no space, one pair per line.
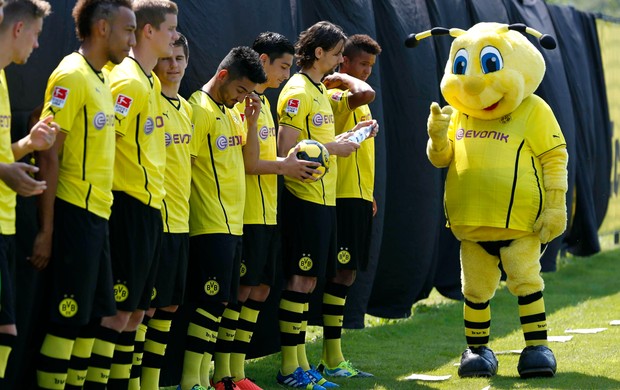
564,380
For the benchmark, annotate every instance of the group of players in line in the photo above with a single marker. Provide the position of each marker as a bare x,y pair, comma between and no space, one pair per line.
147,201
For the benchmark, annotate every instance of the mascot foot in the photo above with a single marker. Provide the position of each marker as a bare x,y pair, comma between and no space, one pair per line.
536,361
478,362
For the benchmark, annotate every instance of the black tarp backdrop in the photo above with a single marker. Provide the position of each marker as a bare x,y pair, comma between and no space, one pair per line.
412,251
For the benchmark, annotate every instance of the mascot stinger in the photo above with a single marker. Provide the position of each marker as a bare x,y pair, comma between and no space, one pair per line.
505,190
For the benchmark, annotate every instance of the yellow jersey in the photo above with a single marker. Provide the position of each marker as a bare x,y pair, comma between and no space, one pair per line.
177,182
140,161
261,191
356,173
79,97
304,106
218,175
7,195
495,177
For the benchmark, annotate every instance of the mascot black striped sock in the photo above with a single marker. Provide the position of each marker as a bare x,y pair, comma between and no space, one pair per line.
477,318
155,348
200,343
225,340
533,319
138,353
334,299
101,358
7,341
290,317
302,357
243,336
82,348
55,355
120,370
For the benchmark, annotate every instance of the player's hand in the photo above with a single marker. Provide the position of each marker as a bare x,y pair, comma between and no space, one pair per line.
252,108
375,208
437,125
16,176
41,251
299,169
333,80
552,221
43,134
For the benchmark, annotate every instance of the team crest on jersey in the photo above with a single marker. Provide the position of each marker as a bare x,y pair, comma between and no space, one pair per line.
237,120
242,117
337,96
123,103
292,107
149,126
59,97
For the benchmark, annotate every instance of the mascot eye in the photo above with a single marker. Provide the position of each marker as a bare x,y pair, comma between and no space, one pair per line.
460,62
491,60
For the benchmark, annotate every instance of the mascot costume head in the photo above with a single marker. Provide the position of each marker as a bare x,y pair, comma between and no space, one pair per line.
505,190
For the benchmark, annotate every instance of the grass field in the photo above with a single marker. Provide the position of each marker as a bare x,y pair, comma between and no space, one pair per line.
583,293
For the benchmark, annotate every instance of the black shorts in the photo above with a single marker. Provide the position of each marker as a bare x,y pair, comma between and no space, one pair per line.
214,264
82,287
7,259
308,237
172,271
261,244
135,244
354,231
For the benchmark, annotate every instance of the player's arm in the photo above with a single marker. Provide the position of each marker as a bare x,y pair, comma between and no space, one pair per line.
48,172
359,91
41,137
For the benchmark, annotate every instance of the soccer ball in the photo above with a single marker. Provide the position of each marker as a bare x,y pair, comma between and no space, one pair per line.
311,150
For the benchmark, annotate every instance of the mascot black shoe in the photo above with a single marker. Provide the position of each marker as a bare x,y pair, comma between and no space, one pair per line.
506,181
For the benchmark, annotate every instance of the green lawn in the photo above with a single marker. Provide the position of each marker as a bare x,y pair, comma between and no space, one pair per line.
583,293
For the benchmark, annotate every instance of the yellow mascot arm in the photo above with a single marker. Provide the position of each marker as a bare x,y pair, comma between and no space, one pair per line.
438,149
552,221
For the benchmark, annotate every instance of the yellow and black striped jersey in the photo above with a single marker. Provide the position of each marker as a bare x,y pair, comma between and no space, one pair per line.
218,175
304,105
140,161
495,178
356,173
261,191
79,97
177,182
7,195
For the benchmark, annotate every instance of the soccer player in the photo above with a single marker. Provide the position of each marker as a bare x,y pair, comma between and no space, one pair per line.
78,170
261,238
138,186
19,32
309,215
349,96
171,274
216,213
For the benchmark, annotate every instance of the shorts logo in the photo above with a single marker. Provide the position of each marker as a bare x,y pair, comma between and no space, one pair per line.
317,119
212,287
344,256
149,126
99,120
337,96
68,307
59,97
153,293
123,103
305,263
121,292
292,106
263,133
221,142
244,270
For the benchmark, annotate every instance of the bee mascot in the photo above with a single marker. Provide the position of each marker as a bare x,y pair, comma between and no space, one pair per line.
505,190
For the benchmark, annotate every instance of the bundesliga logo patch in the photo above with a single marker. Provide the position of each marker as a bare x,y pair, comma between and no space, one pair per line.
59,97
292,107
337,96
123,103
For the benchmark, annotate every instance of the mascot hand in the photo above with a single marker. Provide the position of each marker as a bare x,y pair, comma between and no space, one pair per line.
437,126
552,221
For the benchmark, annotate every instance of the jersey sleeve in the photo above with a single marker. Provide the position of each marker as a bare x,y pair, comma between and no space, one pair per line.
200,123
293,109
543,131
64,97
129,99
339,101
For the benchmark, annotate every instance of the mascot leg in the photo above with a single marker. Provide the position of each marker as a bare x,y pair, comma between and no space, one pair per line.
480,276
521,263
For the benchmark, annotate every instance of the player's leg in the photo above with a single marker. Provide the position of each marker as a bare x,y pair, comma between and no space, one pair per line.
8,330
